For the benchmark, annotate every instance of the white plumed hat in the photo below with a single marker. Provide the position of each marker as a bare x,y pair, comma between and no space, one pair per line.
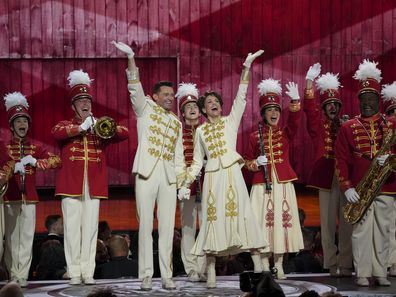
186,92
80,83
270,92
16,106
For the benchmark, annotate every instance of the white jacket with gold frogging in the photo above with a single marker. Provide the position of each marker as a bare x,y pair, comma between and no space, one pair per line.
218,140
159,136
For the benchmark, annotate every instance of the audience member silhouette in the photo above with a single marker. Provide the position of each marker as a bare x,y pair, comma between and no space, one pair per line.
119,264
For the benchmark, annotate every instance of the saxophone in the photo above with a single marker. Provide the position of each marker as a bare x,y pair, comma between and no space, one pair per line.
371,183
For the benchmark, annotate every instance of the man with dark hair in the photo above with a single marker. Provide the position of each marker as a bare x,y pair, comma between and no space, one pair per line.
54,225
160,84
159,170
119,264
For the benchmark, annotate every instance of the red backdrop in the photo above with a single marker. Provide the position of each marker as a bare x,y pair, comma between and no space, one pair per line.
204,42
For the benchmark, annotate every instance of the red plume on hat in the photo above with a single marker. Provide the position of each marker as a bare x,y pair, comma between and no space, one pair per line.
80,83
328,85
388,93
16,106
270,92
186,92
369,77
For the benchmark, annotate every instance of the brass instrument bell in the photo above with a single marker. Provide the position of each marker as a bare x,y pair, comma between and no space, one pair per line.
105,127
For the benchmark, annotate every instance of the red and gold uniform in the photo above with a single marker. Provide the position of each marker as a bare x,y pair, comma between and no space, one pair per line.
45,160
82,180
323,132
357,144
83,154
277,211
19,229
190,209
81,183
21,197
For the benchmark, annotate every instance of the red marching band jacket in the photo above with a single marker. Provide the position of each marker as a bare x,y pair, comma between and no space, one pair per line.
357,144
188,145
14,152
83,153
323,133
276,145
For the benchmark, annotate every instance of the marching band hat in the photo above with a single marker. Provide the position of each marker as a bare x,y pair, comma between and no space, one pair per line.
16,106
328,85
79,83
369,77
270,92
186,92
388,93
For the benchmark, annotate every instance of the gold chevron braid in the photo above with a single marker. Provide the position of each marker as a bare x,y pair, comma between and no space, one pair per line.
372,182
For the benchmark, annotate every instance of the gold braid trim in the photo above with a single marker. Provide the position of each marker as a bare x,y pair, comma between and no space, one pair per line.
245,76
294,107
309,93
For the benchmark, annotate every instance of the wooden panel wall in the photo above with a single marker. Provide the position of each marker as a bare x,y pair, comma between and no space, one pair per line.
199,41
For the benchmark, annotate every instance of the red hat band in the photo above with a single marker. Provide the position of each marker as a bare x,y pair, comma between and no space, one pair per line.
369,85
329,96
389,105
80,91
17,111
269,100
186,99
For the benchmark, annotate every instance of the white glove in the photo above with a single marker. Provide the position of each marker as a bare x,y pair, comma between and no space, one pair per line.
184,193
313,71
351,195
382,159
292,91
19,168
29,159
251,57
124,48
261,160
88,123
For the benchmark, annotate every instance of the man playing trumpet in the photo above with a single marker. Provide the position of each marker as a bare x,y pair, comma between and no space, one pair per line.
82,180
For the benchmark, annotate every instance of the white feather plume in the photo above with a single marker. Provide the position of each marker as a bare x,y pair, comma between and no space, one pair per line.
269,86
368,69
77,77
186,89
388,92
15,98
328,81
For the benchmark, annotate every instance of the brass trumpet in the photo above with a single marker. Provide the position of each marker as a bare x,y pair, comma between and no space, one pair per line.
105,127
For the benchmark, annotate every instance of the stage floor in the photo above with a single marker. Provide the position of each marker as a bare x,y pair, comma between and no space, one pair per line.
294,285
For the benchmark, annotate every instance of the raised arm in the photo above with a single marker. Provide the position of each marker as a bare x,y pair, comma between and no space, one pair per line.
294,118
239,104
135,88
311,108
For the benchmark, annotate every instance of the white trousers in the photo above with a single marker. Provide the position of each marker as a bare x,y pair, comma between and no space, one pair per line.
189,211
20,223
1,229
370,239
392,246
155,189
331,204
80,221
